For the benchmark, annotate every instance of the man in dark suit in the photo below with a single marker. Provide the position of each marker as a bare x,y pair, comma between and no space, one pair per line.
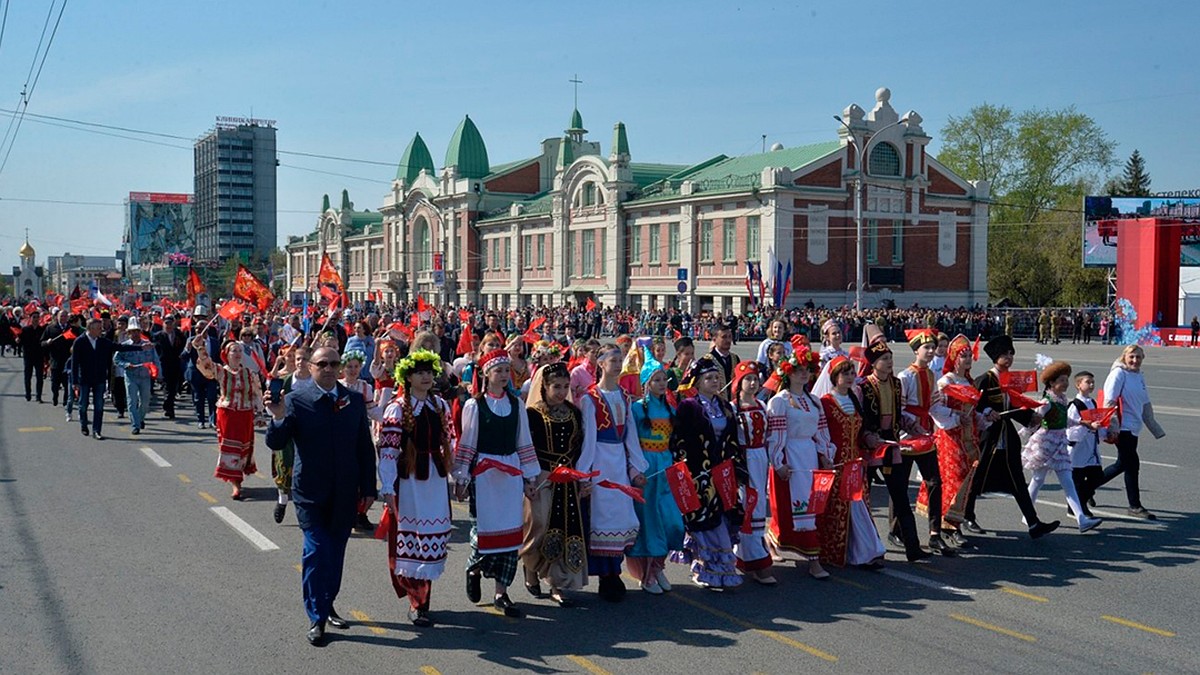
170,343
30,340
333,475
721,345
91,357
58,349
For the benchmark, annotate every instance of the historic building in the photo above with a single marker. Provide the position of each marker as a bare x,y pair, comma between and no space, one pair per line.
28,278
570,223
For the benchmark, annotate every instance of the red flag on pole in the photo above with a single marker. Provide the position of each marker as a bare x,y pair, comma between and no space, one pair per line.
488,463
231,310
565,474
386,520
963,393
531,335
1018,400
725,484
917,445
751,503
465,344
633,492
194,286
822,483
70,334
247,287
1019,380
683,488
975,349
1101,415
422,306
852,481
591,304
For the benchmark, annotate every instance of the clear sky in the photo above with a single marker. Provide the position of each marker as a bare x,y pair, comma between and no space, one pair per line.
690,80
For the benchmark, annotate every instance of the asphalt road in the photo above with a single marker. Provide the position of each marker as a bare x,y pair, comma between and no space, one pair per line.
115,559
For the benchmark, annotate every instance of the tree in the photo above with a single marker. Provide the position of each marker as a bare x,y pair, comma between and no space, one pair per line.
1134,182
1040,164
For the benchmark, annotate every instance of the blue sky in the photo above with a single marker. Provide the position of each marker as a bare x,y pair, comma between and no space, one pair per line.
689,79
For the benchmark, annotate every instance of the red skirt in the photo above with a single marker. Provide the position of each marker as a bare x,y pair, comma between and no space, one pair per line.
781,529
235,444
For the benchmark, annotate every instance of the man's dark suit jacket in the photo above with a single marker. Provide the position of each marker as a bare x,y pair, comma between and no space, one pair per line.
91,366
335,458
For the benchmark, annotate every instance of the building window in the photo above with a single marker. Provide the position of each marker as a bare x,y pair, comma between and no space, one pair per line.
635,244
885,160
541,250
422,242
589,253
589,194
872,241
706,254
655,242
569,251
527,252
673,242
753,234
508,253
729,247
483,257
897,242
496,254
603,253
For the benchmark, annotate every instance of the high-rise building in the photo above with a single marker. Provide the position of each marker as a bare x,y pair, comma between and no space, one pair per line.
235,202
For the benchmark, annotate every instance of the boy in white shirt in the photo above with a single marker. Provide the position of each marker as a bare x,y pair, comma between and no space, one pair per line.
1084,443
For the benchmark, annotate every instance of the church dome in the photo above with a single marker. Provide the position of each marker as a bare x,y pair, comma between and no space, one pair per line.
26,251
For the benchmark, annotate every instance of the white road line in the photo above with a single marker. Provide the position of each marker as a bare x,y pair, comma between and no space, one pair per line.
243,528
155,457
1103,513
1182,412
1163,386
1144,461
928,583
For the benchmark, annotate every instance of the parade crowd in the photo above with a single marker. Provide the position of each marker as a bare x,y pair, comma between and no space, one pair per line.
585,441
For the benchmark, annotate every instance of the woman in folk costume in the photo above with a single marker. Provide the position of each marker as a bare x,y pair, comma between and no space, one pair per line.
496,466
295,374
797,445
610,446
414,458
752,556
239,396
631,369
831,341
704,436
847,531
352,363
957,439
660,528
554,550
521,370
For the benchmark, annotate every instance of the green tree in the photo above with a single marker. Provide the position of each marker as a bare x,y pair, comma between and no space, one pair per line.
1134,182
1040,164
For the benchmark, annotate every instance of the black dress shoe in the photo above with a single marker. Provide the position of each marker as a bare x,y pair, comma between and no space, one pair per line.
84,431
316,634
918,555
561,599
973,527
938,547
1042,529
420,618
507,606
535,589
337,621
280,509
895,541
1141,512
474,593
97,435
957,539
364,524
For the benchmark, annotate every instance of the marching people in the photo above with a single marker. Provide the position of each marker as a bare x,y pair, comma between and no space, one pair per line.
292,369
753,558
91,360
1125,387
170,343
58,349
334,473
204,390
34,356
1084,442
138,369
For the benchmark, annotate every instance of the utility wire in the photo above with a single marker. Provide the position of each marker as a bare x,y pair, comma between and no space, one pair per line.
28,89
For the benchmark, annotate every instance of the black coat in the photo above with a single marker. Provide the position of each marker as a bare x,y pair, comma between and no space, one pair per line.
59,350
169,351
1000,467
91,366
31,343
335,457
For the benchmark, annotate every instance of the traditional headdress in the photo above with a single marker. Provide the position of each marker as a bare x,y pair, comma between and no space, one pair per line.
740,371
876,344
494,358
958,346
1054,371
831,323
651,367
354,355
919,337
537,386
824,383
701,366
418,360
998,346
800,341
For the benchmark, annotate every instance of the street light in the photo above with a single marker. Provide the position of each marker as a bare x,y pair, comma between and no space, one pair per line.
861,150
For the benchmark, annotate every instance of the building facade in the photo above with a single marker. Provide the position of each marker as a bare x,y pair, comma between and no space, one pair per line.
570,224
235,191
67,271
28,278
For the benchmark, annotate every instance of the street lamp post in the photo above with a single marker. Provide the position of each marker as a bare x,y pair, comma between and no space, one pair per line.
860,149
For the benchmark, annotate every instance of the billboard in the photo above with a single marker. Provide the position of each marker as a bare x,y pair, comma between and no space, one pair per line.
1100,216
158,224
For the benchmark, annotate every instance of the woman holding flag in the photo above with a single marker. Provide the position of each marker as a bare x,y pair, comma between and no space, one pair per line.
239,397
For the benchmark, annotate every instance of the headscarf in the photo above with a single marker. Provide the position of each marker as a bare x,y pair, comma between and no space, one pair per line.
958,346
740,371
651,367
537,385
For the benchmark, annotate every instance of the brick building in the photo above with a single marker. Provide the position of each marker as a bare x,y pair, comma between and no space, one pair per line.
570,223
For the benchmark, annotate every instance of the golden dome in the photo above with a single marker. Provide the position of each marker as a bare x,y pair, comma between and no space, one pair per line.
26,251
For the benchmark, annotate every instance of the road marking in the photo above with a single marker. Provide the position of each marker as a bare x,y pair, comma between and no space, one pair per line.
847,582
243,528
299,567
28,429
1106,514
430,670
928,583
587,665
1139,626
993,627
207,497
1143,461
366,621
184,479
1023,594
1181,412
774,635
260,475
155,457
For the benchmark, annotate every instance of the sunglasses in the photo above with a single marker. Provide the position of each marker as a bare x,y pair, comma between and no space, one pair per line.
325,364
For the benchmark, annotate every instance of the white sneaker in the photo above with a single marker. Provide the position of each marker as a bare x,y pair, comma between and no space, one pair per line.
661,578
1086,523
69,417
652,588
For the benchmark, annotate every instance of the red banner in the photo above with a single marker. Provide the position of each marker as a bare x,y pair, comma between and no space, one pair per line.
1020,380
726,484
591,304
194,287
565,474
822,484
247,287
633,492
963,393
1101,415
231,310
79,306
852,481
683,488
488,463
751,503
917,444
1018,400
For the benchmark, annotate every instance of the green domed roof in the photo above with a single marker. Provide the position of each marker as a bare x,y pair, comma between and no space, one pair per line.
566,154
467,151
576,120
416,157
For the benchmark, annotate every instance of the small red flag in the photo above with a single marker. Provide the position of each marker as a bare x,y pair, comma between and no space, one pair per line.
917,445
822,484
231,310
1101,415
633,492
591,304
852,481
677,333
565,474
153,369
725,484
751,503
683,487
185,324
488,463
1018,400
386,520
70,334
465,344
464,315
975,349
963,393
422,306
1019,380
79,305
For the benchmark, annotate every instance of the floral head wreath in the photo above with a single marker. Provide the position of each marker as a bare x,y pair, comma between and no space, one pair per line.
416,361
544,350
354,355
803,357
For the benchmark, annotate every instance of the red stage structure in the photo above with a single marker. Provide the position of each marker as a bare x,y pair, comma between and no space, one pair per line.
1148,267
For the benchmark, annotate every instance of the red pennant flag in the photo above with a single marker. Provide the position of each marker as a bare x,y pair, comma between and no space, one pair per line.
422,306
565,474
247,287
153,370
683,488
633,492
70,334
194,286
726,484
1018,400
822,484
591,304
464,315
1101,415
488,463
47,318
16,330
231,310
1019,380
386,520
465,344
751,503
852,481
917,444
975,349
963,393
185,324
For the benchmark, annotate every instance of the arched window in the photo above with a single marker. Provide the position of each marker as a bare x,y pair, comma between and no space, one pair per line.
421,241
885,161
589,194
